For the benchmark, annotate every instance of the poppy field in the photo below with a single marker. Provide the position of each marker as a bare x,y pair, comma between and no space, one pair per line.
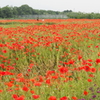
51,59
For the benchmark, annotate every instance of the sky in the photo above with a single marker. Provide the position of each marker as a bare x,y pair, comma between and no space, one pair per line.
86,6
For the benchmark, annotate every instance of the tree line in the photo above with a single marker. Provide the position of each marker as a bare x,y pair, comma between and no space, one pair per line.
14,12
80,15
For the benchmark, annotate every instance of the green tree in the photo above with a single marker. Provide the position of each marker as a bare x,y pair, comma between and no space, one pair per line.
15,11
7,12
1,13
25,10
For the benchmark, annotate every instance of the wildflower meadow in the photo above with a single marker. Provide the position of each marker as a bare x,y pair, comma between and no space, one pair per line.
51,59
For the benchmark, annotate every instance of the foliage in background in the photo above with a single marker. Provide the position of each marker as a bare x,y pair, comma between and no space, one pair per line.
12,12
80,15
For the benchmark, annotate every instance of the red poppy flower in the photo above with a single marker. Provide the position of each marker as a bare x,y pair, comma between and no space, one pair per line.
20,98
4,51
15,96
32,91
52,98
63,70
74,98
97,61
91,75
35,96
87,68
85,93
64,98
1,91
89,80
93,70
38,84
79,57
48,81
25,88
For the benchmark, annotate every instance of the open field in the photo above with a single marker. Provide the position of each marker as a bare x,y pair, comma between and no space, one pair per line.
50,59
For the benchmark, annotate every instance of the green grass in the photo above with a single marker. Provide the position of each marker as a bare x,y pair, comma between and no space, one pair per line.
35,54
